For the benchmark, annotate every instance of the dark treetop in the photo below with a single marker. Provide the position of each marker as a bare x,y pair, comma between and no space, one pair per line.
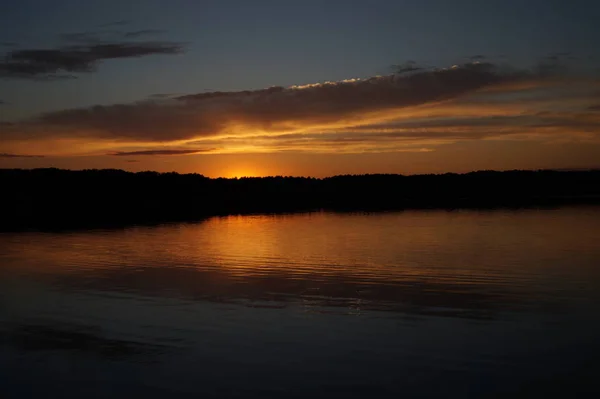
54,198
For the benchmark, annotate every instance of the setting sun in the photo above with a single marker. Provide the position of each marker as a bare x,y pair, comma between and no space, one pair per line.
240,172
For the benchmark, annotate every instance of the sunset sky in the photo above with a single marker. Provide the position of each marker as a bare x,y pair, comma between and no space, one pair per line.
307,88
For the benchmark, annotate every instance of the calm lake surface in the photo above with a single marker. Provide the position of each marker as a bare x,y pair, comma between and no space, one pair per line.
409,304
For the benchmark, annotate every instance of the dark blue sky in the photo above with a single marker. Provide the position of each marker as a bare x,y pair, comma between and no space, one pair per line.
241,44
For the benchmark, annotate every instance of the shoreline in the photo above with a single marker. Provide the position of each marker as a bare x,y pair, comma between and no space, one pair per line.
54,199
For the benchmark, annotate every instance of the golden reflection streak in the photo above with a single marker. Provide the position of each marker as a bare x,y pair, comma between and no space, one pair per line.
377,247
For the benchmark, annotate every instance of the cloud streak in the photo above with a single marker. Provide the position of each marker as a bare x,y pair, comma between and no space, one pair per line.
415,110
62,62
160,152
275,109
82,53
6,155
107,36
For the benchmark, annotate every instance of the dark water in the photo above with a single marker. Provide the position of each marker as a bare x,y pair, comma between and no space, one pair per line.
413,304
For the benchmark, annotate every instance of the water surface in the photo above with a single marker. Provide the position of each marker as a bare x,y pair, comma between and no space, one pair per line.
419,304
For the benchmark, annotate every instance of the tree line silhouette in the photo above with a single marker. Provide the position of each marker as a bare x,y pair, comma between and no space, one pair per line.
56,198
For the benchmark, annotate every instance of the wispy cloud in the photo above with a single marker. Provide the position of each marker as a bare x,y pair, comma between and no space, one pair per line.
409,66
56,62
6,155
82,52
160,152
415,110
163,95
107,35
275,110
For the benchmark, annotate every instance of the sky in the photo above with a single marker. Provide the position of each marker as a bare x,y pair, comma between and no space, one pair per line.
305,88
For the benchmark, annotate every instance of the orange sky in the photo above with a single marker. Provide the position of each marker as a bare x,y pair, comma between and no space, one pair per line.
468,117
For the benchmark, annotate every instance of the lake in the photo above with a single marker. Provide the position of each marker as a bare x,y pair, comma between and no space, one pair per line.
464,303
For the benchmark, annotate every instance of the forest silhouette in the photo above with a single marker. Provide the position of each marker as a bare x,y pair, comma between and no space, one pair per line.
55,198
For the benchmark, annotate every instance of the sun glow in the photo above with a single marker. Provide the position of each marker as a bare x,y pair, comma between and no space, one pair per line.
237,173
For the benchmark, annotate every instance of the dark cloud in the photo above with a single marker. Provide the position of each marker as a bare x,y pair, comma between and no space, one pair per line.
107,36
5,155
132,161
271,109
409,66
8,44
64,61
163,95
384,113
595,107
3,102
481,127
160,152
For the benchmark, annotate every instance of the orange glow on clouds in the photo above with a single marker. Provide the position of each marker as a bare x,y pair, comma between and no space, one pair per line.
409,116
